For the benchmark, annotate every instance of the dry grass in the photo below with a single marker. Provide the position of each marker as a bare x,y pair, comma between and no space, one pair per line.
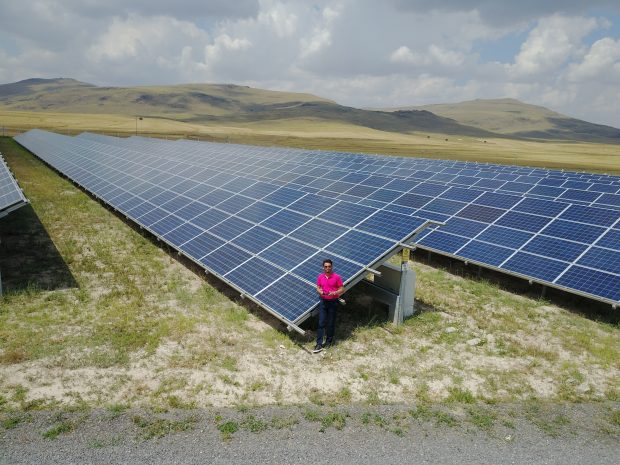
317,134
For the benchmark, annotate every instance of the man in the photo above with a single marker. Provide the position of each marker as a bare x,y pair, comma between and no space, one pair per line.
329,287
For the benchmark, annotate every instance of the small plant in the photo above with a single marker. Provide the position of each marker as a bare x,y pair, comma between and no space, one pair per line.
459,395
335,419
253,424
64,426
160,427
227,429
481,418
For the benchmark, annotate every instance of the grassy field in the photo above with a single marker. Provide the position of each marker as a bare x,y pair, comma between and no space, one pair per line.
97,314
318,134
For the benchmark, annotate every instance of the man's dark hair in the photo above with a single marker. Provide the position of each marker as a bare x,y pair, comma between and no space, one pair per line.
327,260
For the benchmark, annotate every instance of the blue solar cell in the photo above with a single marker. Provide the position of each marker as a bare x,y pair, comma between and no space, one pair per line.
429,215
167,224
320,183
360,247
385,195
334,175
312,204
504,236
546,191
412,200
390,224
465,180
209,218
597,283
175,204
256,239
442,177
466,228
237,184
142,209
298,300
402,185
574,194
234,204
283,196
163,197
611,240
215,197
230,228
318,232
607,188
447,243
152,216
201,245
258,211
555,248
285,221
259,190
376,181
540,207
254,276
224,259
361,191
429,189
602,259
519,187
400,209
529,179
347,214
523,221
491,199
184,186
526,264
489,183
581,185
573,231
463,195
548,181
480,213
182,234
287,253
198,191
609,199
355,178
486,253
591,215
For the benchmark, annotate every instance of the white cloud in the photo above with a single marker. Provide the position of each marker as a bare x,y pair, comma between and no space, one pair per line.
551,44
601,61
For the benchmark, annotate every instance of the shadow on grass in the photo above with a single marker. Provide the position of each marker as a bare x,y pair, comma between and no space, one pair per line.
28,257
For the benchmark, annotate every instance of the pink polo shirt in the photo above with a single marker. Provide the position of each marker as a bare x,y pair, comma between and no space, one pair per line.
331,284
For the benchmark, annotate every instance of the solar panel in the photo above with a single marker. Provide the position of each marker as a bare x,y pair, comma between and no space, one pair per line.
264,238
486,222
11,196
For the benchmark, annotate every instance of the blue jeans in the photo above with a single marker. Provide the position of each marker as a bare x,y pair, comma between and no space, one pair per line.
327,320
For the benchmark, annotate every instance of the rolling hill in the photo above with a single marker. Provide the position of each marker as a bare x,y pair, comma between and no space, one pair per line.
226,103
513,118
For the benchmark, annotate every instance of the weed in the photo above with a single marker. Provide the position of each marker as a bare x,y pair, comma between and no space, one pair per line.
283,422
369,418
459,395
482,418
160,427
62,427
336,419
227,429
253,424
116,409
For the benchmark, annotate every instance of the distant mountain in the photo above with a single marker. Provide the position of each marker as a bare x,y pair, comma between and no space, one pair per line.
226,103
513,118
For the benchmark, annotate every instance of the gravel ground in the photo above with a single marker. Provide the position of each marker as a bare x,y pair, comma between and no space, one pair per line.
463,434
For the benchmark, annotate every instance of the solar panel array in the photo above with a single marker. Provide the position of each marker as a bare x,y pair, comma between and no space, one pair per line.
11,196
558,228
266,239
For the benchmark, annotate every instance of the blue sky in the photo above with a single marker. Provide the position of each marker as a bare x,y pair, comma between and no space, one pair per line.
564,55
